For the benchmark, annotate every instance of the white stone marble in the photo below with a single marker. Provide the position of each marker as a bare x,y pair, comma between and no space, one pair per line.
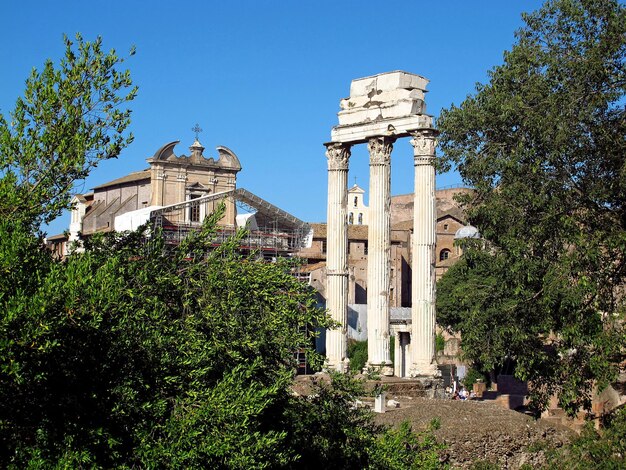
379,254
379,403
423,259
387,81
396,109
336,259
381,109
399,127
381,97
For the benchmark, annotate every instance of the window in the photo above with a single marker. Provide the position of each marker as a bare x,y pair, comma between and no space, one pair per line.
445,227
444,255
365,248
360,219
194,211
356,201
351,218
324,245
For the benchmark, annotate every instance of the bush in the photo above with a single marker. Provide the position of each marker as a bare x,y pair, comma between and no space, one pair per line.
473,376
605,450
357,353
440,343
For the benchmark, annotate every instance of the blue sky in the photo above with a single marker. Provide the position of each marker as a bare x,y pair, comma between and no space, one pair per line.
264,78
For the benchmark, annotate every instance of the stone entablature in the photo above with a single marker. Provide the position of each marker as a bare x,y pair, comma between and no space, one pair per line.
387,104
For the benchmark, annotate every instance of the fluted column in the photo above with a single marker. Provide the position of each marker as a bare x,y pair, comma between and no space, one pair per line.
379,254
397,353
423,262
337,255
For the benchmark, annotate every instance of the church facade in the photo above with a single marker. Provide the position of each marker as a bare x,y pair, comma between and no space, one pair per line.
176,193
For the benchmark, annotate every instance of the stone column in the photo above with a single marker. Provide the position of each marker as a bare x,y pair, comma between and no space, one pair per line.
423,275
379,254
397,353
337,255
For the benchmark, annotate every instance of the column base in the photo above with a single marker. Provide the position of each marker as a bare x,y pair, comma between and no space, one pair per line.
341,366
424,370
431,386
385,369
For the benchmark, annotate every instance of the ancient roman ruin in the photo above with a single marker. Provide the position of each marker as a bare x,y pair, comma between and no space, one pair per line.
380,110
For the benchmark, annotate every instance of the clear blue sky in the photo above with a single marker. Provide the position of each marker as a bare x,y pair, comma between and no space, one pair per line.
264,78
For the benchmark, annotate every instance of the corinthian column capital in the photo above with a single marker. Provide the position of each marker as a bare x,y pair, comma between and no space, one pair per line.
424,143
338,155
380,150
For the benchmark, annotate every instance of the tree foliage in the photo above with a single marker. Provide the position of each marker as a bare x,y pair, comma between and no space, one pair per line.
595,450
543,144
133,354
69,119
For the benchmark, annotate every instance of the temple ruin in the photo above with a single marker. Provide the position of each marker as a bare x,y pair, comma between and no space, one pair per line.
380,110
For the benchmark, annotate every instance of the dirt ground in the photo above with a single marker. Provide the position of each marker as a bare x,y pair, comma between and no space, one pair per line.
481,431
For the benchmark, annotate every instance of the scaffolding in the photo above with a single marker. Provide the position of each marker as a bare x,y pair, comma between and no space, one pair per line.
275,233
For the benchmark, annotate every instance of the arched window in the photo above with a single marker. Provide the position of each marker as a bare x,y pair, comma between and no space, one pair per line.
360,219
351,218
356,201
444,254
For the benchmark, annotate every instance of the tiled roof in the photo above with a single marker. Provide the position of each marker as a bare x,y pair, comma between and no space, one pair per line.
355,232
307,268
446,263
54,238
454,212
404,225
131,177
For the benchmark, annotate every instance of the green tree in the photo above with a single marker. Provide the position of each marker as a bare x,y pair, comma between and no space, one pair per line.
131,354
70,118
543,145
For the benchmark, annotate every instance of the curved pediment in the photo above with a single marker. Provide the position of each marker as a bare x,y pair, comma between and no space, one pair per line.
228,159
166,152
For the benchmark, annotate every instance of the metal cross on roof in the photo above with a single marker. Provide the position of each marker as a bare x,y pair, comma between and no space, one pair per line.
197,129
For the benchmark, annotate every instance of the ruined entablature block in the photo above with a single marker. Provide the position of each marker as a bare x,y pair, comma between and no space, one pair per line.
381,111
388,81
379,96
382,97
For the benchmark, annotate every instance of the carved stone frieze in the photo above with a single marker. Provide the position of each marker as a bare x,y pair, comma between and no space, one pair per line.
338,156
380,150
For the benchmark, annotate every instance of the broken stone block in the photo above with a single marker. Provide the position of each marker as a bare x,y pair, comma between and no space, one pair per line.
379,403
386,82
